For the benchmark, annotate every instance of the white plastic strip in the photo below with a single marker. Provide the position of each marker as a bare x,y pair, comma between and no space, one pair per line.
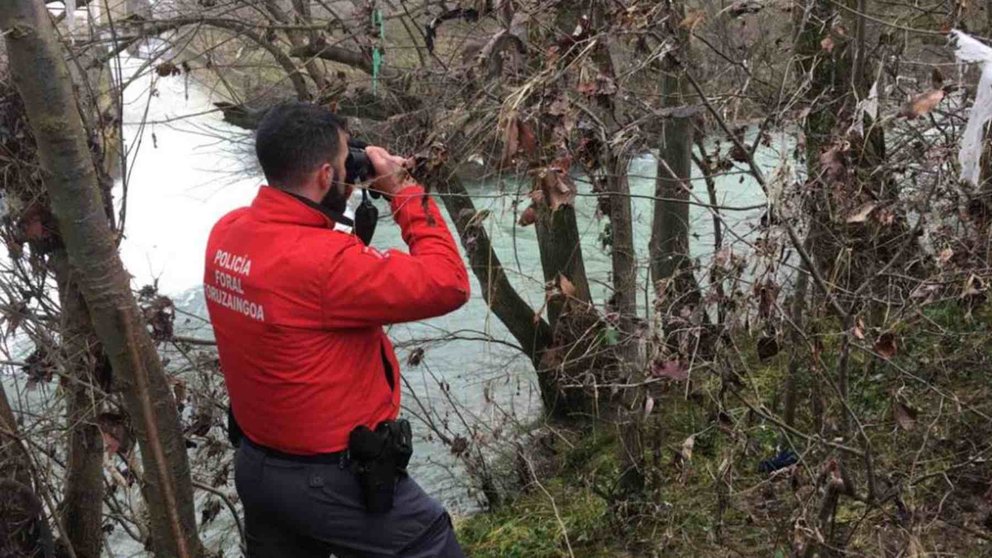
970,50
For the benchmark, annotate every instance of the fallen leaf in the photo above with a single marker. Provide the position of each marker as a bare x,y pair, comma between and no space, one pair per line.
827,44
692,19
648,406
904,415
526,138
586,88
945,255
922,104
528,217
859,329
860,215
885,345
672,369
832,160
687,447
973,286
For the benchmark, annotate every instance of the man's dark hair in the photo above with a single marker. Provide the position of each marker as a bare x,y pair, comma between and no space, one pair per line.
294,139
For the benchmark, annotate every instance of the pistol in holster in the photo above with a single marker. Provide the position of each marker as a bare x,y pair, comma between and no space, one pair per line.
378,459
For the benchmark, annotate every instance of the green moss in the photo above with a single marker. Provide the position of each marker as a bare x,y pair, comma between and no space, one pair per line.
534,525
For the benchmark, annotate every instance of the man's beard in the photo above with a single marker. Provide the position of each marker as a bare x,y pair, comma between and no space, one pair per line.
335,200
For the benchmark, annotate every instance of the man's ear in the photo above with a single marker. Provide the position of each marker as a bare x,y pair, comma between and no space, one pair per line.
325,177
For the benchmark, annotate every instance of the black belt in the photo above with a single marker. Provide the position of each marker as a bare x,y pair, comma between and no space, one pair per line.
323,458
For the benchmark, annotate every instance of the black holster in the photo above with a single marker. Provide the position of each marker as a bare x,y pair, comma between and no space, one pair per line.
379,459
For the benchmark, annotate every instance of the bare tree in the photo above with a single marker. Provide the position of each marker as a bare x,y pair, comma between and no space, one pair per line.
40,73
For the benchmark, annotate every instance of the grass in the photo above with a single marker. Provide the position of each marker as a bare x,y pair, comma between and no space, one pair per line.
931,476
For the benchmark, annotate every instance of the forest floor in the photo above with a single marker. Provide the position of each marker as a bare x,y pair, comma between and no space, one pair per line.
925,411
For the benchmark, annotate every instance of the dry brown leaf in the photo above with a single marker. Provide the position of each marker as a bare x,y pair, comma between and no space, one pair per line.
528,217
687,447
416,357
115,434
945,255
922,104
567,287
672,369
859,329
904,415
886,346
936,79
860,215
692,19
527,139
179,389
832,161
586,88
556,186
511,141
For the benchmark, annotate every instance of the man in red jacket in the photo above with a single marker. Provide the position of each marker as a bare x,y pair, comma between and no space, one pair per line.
297,306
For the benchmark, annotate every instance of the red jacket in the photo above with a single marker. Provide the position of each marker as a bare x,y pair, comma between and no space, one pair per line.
298,308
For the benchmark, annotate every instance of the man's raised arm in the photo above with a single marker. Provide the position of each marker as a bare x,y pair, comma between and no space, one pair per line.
367,287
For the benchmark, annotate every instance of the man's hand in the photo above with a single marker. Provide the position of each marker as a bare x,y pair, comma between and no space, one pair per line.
390,171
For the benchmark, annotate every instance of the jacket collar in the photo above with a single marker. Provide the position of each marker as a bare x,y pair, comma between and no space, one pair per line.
279,206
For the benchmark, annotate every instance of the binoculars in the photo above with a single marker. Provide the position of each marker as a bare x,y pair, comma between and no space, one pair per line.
358,167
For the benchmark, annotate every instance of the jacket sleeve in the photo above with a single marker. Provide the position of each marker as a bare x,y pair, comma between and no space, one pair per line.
364,287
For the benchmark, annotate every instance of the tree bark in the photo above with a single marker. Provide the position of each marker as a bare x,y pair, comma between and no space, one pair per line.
669,244
624,302
82,503
23,528
561,253
531,331
16,464
40,74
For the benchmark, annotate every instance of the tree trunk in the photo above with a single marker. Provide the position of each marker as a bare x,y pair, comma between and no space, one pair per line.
561,254
624,302
82,503
23,529
669,245
671,271
16,464
40,74
532,332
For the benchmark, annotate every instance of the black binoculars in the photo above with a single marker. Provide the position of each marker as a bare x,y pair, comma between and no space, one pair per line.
358,167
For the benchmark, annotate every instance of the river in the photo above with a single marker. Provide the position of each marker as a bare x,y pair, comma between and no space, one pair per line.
186,168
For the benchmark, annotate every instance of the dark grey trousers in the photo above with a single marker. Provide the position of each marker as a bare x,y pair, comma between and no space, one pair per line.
310,510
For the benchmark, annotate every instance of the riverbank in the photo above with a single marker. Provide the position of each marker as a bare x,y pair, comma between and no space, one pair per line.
710,492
